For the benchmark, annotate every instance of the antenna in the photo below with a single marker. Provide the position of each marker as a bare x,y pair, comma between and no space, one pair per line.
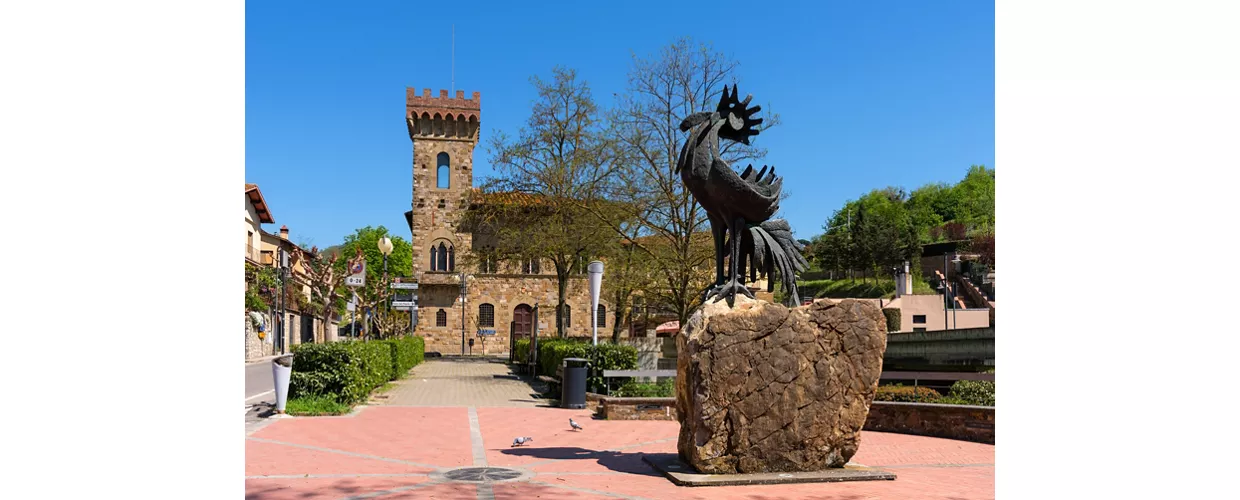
453,59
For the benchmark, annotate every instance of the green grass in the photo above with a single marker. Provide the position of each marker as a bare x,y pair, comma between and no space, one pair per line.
315,405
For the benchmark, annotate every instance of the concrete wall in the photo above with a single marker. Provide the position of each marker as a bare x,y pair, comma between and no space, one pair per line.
931,306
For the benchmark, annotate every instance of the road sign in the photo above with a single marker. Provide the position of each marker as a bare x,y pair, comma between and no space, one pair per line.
405,286
486,331
403,303
357,270
405,308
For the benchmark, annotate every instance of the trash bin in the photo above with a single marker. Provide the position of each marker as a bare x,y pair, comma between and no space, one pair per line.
573,385
281,369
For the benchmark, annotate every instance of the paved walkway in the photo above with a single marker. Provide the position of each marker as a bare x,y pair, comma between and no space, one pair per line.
395,452
463,382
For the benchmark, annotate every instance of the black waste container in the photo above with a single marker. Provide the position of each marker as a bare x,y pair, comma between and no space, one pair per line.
573,385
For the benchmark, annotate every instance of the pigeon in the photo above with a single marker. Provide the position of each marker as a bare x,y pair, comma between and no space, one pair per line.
521,441
575,425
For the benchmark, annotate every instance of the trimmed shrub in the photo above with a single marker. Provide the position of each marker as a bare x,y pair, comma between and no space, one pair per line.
346,371
907,394
606,356
974,392
407,352
893,318
521,351
665,388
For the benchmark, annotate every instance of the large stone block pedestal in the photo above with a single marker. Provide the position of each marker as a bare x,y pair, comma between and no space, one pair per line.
764,388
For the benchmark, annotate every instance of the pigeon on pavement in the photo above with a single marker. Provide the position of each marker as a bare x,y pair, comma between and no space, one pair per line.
521,440
575,425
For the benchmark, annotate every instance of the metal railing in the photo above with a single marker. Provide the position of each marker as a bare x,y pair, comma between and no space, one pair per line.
916,377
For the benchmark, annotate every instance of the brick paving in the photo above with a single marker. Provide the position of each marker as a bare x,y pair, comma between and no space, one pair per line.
449,382
467,413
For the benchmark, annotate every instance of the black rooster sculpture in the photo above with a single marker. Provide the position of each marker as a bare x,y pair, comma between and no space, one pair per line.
738,204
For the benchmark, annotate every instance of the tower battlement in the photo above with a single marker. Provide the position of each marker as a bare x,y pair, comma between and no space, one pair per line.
458,107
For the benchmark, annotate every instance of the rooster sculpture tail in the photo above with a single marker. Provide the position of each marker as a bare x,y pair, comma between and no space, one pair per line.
772,249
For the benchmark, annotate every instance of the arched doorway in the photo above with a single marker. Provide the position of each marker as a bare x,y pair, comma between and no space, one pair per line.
522,320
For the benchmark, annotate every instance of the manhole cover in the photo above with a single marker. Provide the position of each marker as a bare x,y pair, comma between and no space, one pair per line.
482,474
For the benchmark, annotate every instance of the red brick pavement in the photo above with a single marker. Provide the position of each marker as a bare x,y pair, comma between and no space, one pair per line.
394,452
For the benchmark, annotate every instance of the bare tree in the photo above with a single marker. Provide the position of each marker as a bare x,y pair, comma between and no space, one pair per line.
684,78
549,177
325,282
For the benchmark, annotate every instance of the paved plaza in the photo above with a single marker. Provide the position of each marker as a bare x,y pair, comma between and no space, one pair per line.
405,448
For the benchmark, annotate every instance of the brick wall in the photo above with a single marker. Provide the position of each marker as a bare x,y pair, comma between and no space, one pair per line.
966,423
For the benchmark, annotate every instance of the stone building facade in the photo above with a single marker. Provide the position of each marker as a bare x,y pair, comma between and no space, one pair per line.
501,297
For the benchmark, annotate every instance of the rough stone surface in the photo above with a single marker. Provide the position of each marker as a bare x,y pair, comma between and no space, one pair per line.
765,388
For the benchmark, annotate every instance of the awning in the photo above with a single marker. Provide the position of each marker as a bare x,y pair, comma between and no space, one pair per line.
669,327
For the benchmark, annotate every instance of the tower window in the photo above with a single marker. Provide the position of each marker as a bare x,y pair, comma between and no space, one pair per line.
567,317
602,315
443,173
441,318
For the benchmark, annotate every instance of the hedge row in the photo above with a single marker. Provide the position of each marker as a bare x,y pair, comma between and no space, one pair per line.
347,371
552,351
907,394
962,392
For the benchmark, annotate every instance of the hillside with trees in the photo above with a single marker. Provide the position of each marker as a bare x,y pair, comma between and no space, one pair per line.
869,236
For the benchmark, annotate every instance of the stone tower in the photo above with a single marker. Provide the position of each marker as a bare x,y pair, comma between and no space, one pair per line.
444,131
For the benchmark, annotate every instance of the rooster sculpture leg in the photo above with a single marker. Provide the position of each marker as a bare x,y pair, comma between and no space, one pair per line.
734,284
717,229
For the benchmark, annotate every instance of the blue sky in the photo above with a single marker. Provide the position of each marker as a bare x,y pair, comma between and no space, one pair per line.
871,94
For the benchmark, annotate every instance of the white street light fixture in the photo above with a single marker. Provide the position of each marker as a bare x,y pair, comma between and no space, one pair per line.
385,247
596,283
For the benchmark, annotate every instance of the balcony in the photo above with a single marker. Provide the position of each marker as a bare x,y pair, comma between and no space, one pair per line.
257,256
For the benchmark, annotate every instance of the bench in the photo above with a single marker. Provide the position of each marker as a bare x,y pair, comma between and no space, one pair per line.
610,374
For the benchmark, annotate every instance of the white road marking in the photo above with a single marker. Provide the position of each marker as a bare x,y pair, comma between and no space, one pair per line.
260,395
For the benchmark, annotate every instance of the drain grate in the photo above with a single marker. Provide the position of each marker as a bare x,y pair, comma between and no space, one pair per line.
482,474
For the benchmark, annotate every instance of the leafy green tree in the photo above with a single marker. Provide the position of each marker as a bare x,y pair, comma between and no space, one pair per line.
975,199
376,292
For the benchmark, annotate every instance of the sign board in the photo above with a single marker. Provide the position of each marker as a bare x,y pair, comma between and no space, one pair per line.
405,286
486,331
403,303
405,308
357,271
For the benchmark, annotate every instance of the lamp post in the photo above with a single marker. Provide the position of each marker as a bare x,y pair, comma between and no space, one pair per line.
385,247
956,261
596,282
283,262
464,289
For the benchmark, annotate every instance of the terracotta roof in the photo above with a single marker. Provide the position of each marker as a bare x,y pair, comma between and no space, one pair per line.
260,205
476,196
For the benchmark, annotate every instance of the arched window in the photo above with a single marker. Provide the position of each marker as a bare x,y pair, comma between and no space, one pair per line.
602,315
434,258
486,315
441,318
443,173
567,316
443,258
452,258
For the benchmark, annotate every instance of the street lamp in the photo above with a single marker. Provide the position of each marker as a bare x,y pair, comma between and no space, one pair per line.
385,247
464,290
596,281
956,261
